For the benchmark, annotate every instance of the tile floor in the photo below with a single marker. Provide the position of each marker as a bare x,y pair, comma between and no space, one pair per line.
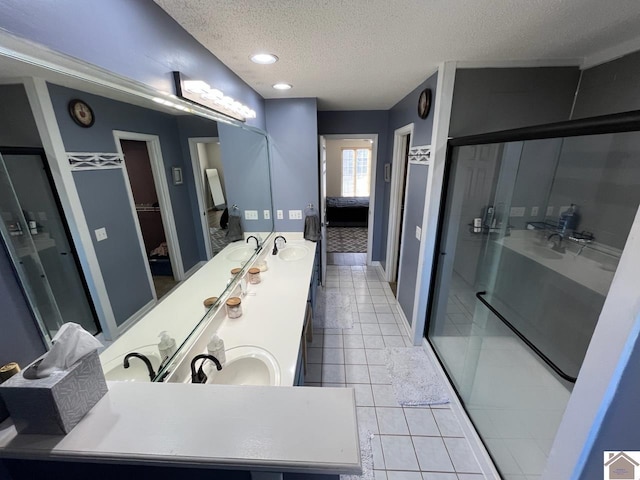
410,442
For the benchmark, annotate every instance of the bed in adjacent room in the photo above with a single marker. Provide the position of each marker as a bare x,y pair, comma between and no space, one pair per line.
347,211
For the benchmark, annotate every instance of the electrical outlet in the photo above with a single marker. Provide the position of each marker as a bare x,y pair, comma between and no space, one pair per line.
534,211
549,211
101,234
267,214
295,214
251,214
279,214
418,232
517,212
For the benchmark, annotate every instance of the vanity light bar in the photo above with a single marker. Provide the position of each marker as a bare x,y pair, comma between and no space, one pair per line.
201,93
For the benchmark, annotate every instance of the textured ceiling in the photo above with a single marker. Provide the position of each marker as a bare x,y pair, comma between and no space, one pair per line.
368,54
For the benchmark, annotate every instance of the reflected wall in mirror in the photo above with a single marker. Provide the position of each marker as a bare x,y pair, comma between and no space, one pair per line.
137,233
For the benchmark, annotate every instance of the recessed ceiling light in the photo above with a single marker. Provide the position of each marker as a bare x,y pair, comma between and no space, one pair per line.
282,86
264,58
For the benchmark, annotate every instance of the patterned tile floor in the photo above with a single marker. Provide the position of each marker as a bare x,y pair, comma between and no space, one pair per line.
420,443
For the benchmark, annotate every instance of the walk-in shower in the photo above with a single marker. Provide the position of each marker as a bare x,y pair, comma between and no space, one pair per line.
532,227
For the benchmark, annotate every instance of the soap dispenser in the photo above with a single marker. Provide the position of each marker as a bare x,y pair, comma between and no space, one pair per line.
167,345
215,347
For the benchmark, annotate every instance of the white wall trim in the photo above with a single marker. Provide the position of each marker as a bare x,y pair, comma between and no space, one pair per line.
133,319
372,183
44,114
533,63
612,53
164,199
195,164
439,139
480,452
397,175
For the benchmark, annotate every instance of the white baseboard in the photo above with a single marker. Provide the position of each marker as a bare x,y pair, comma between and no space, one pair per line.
482,456
405,322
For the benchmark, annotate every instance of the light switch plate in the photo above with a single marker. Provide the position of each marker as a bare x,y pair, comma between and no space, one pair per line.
251,214
295,214
534,211
101,234
267,214
418,232
279,214
549,211
517,212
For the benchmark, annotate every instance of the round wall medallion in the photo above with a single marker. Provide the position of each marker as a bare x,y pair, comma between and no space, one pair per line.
81,113
424,103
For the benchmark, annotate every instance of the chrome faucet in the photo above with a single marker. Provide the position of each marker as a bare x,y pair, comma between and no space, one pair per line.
256,239
275,244
557,246
200,376
152,374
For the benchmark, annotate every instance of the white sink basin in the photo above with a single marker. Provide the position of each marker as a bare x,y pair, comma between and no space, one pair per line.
291,253
137,371
240,253
246,365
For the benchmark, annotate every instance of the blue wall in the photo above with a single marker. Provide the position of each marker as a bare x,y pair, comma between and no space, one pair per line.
404,113
293,137
104,199
133,38
364,122
414,209
20,340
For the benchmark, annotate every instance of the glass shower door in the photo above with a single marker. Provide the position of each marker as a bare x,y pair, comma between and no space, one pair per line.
37,242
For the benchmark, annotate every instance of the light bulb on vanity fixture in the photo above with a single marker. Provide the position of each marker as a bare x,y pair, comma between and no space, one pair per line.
200,92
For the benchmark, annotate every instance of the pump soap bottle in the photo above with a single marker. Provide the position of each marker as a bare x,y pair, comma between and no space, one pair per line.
167,346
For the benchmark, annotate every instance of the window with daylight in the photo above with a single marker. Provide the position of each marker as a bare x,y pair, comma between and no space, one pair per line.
356,172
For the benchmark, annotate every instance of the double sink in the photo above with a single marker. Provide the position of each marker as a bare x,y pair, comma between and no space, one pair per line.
244,365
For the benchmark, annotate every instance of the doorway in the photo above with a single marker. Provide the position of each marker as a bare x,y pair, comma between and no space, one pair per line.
144,174
399,173
208,171
39,243
347,187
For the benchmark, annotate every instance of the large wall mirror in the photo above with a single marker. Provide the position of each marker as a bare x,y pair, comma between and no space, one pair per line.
110,199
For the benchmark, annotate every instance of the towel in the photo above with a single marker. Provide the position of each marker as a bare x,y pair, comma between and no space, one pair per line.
234,232
312,228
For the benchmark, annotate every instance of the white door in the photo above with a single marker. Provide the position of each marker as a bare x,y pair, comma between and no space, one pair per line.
323,208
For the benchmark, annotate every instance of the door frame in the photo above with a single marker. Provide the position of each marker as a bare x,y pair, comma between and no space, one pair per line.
164,200
397,174
372,181
195,166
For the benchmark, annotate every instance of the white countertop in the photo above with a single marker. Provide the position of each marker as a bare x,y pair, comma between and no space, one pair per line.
580,268
295,429
284,429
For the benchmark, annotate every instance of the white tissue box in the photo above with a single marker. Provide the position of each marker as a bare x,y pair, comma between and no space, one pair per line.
55,404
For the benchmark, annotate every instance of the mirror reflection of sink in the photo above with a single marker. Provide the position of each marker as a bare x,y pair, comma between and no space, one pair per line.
291,253
240,254
543,252
246,365
137,371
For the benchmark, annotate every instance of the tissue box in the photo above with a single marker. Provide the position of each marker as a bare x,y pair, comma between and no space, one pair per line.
55,404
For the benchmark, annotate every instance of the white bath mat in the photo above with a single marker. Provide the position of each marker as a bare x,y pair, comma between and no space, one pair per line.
414,378
366,454
333,310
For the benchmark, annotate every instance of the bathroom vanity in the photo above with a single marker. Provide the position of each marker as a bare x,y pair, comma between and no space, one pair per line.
252,423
